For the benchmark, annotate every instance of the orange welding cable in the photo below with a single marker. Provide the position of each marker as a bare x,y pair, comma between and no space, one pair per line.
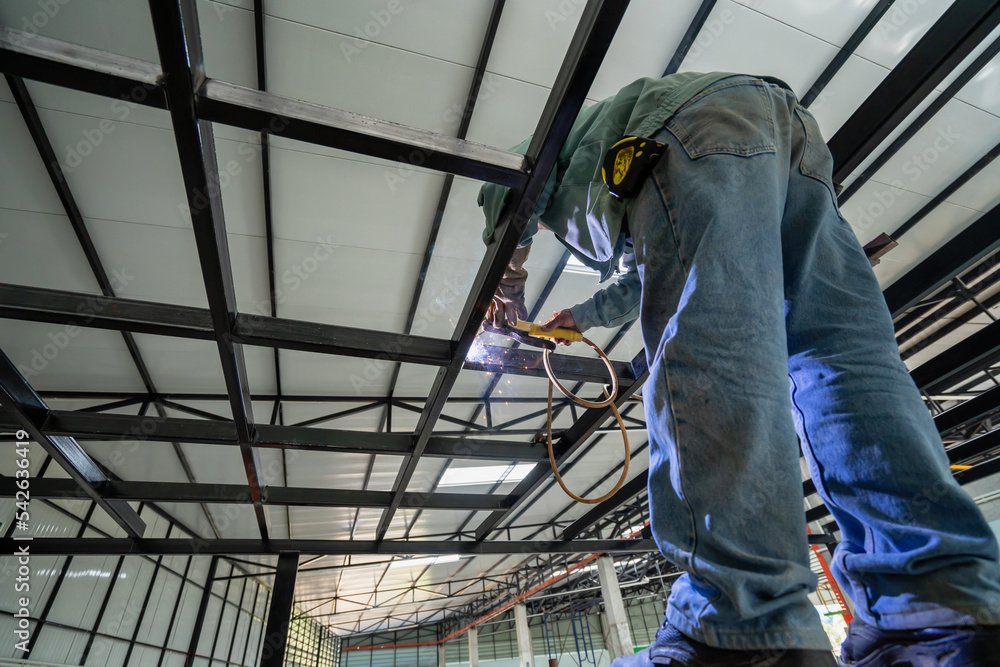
608,402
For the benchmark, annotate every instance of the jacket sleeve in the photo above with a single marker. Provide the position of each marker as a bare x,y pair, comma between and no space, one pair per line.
492,198
616,304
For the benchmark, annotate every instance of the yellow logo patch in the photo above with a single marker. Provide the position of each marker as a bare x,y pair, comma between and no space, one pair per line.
622,162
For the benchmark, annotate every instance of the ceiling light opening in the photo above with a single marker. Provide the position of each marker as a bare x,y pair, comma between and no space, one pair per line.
423,562
468,476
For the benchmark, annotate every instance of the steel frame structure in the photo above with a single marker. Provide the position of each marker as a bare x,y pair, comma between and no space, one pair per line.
194,102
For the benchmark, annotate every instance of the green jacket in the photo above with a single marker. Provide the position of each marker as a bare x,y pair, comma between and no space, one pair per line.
575,203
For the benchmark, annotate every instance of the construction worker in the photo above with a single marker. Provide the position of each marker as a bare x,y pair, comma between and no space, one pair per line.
766,333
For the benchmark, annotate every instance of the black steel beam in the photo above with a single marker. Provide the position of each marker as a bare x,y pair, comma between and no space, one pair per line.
919,122
845,52
139,397
953,258
28,411
86,310
183,492
90,70
255,110
199,620
40,58
348,341
573,438
975,447
629,490
598,23
101,426
279,616
449,179
44,546
959,362
967,412
61,185
691,34
953,37
178,41
518,361
949,190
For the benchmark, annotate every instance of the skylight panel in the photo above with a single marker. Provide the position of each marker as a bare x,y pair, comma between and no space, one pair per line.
485,474
423,562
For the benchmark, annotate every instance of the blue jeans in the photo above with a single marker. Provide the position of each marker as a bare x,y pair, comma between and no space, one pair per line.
765,330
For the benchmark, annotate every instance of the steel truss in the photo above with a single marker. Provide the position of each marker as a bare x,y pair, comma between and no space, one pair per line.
195,102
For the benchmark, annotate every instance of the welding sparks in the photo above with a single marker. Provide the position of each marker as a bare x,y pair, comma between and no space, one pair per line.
477,353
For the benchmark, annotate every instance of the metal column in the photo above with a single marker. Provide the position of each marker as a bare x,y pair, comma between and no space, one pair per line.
441,655
524,650
473,647
618,630
280,614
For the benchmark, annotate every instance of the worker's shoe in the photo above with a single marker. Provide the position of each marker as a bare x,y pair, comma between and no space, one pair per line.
674,649
866,646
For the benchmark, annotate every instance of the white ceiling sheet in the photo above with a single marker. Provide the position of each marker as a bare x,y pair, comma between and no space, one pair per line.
427,471
119,170
532,39
747,41
62,357
441,29
368,518
507,110
122,27
319,523
228,43
307,63
954,140
25,185
236,521
216,464
833,21
644,43
330,470
899,29
851,86
29,245
352,287
138,460
184,365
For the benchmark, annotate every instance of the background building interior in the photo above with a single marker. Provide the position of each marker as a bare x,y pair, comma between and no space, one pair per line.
240,263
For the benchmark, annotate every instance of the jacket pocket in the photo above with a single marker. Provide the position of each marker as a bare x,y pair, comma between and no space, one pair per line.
732,117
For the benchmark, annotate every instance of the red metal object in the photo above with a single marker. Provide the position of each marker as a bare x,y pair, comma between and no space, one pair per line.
848,617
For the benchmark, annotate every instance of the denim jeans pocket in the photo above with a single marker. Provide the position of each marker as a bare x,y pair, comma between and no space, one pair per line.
816,162
734,117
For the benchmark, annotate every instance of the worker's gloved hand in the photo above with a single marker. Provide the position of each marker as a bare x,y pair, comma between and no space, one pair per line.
561,320
508,302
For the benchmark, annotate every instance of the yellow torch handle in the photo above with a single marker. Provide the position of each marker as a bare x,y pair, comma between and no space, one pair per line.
533,329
